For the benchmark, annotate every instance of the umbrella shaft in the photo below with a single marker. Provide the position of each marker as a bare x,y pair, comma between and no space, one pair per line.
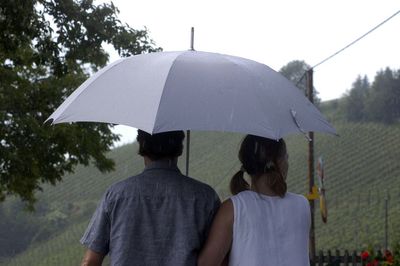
187,151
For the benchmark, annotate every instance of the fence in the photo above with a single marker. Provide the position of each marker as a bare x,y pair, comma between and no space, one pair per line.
337,259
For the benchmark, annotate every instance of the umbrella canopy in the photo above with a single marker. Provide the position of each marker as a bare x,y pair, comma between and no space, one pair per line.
192,90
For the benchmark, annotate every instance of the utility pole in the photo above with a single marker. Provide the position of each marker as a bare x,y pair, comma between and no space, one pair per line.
310,95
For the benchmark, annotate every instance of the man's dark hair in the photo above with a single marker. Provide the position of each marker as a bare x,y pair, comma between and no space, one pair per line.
161,145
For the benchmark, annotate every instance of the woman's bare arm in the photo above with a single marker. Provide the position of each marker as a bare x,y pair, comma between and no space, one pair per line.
219,240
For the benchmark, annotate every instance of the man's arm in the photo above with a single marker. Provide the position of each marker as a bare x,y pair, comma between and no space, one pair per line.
97,236
92,258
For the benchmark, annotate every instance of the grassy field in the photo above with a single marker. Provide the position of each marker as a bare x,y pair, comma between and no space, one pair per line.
361,166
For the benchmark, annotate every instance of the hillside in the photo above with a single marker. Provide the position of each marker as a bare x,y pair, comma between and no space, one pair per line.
361,167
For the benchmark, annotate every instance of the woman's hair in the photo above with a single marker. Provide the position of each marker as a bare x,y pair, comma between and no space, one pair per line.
260,156
161,145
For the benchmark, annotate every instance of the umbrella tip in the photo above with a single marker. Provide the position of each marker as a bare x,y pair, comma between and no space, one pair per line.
48,121
192,39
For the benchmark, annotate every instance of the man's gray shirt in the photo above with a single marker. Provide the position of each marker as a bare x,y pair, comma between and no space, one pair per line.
159,217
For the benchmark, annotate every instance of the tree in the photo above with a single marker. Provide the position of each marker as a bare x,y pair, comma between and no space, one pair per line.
383,103
47,49
354,101
295,71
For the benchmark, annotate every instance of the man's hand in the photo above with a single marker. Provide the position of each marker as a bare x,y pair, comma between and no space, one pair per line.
92,258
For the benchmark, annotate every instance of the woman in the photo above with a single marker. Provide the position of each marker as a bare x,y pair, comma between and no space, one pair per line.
262,224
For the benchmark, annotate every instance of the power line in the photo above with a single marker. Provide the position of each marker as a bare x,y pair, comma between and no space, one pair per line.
353,42
304,74
350,44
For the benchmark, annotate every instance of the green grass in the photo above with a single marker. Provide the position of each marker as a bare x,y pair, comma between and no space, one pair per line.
361,167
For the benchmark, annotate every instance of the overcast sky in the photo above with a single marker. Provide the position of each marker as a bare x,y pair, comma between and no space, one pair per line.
277,32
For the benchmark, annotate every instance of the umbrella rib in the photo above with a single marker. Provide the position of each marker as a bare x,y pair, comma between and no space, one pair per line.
77,93
248,70
163,92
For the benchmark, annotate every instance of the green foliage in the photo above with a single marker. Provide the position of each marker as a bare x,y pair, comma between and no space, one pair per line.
383,103
355,100
396,254
295,72
47,49
333,110
379,102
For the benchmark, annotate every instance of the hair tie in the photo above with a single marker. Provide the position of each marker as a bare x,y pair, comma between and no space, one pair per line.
268,165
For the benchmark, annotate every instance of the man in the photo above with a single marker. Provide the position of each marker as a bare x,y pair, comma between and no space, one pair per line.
159,217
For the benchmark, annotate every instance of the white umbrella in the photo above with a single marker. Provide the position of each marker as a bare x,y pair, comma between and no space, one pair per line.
192,90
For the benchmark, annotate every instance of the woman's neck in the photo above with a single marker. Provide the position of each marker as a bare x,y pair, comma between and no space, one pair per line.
259,185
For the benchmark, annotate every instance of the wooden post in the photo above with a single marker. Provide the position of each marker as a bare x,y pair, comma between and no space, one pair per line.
310,95
379,253
338,258
321,258
346,258
386,221
354,258
329,256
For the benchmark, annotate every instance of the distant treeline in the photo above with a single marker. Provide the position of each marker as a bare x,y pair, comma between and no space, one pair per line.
378,101
20,228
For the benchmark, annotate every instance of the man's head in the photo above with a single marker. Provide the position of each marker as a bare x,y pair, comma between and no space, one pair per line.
166,145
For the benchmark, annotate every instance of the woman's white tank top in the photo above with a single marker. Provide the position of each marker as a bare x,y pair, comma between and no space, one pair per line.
270,231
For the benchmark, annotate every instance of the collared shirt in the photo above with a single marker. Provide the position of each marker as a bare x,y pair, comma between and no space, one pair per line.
159,217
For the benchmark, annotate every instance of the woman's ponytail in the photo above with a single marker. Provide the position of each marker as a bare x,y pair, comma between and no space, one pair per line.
277,183
238,183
